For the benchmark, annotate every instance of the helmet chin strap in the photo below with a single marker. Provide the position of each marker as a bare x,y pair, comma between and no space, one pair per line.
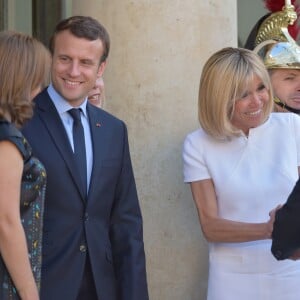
284,106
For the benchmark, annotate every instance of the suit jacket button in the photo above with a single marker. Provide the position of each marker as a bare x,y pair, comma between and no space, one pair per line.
82,248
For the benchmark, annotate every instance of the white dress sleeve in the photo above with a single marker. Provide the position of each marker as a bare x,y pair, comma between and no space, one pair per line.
194,167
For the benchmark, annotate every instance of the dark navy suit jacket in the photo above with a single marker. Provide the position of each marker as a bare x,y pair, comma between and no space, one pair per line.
107,222
286,230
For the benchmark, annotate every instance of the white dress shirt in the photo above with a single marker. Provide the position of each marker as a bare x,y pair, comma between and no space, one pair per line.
62,106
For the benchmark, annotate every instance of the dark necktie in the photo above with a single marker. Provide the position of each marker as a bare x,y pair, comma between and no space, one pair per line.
79,145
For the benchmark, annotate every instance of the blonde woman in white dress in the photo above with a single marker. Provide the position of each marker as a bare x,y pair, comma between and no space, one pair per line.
241,164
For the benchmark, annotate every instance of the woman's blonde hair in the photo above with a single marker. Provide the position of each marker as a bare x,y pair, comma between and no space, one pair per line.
225,77
24,67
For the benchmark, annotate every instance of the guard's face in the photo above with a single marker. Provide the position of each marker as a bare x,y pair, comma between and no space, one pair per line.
96,95
286,86
75,66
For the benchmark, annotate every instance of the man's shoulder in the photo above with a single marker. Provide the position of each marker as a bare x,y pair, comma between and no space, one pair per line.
41,99
42,95
104,115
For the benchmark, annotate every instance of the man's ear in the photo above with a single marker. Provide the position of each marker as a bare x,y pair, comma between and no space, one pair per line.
101,69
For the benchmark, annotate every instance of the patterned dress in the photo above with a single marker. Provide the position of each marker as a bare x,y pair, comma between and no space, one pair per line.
31,207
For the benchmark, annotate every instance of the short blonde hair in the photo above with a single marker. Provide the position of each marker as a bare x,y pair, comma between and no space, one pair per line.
24,67
225,76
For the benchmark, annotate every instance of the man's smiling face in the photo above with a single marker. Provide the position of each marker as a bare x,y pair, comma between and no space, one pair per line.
75,66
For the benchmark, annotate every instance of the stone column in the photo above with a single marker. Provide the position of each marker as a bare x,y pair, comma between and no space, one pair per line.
152,78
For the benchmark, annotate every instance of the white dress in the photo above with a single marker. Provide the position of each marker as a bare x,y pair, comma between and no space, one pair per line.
251,177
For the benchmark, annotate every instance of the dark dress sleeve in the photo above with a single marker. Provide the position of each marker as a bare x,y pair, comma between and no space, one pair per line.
10,133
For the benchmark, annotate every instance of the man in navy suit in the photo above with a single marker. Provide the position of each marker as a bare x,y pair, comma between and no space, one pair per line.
93,236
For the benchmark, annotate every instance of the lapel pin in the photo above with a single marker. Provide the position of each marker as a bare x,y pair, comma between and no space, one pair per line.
98,124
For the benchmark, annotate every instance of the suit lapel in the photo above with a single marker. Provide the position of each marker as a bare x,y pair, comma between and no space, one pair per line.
55,127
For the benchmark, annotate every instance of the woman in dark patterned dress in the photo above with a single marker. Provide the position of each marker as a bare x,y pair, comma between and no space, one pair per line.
24,69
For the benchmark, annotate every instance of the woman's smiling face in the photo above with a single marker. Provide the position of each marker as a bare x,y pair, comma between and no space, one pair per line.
249,109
